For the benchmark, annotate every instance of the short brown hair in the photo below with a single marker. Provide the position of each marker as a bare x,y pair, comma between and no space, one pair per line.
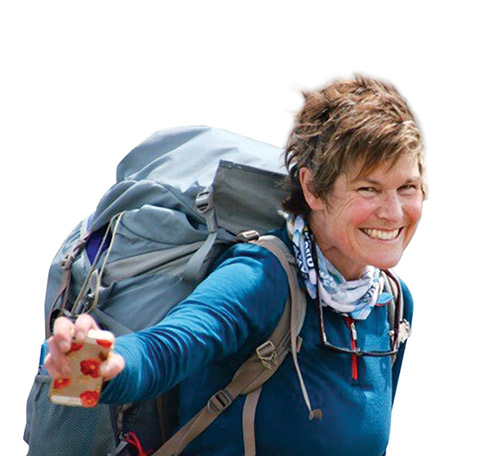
348,120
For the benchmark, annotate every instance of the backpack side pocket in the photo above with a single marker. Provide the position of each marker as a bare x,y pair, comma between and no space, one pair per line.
58,430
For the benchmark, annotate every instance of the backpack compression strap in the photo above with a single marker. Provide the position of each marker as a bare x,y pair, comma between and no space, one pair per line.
257,369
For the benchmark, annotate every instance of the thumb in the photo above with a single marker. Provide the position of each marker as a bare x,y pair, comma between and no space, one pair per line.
112,366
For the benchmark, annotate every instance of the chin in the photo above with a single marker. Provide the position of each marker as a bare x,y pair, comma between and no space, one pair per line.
385,263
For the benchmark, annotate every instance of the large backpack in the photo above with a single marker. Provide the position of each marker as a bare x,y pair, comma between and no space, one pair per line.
181,198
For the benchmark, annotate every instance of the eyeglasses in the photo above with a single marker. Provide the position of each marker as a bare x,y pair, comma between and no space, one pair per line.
398,335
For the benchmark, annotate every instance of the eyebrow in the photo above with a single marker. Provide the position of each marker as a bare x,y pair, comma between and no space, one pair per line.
410,180
365,179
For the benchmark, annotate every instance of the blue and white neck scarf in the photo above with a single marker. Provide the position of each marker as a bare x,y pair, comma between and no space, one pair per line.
355,298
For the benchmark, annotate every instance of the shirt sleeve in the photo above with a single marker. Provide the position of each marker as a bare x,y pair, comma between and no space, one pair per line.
243,298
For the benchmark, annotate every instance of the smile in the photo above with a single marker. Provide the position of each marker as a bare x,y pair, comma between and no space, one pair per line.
384,235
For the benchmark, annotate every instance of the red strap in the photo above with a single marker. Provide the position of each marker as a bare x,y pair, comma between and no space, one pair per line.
133,440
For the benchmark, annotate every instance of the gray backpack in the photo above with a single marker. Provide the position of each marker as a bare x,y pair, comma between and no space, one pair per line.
181,198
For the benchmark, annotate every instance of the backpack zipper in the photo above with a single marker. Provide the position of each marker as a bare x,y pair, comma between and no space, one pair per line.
353,344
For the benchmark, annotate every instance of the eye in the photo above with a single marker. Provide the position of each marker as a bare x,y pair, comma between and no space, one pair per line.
367,190
408,188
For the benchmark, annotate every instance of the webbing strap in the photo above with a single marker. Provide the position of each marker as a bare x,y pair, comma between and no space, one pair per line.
395,311
253,372
193,269
248,421
296,322
60,306
204,205
390,287
62,293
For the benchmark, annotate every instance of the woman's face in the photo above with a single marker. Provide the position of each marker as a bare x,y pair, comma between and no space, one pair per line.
368,219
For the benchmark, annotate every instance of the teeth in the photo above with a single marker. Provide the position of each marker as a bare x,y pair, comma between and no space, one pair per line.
381,234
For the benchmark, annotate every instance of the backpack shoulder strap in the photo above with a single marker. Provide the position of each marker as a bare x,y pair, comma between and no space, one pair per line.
390,286
396,308
259,367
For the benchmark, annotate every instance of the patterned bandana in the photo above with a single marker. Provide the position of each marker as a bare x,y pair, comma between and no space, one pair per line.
356,298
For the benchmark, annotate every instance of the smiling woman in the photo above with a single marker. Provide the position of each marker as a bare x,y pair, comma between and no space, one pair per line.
356,167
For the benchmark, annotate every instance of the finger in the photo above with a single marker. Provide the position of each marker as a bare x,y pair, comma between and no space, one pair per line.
62,334
58,364
112,366
83,324
51,367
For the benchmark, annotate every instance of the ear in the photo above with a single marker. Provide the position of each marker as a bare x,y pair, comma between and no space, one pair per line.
314,202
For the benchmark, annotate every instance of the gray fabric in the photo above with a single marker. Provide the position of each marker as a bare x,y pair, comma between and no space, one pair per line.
243,194
148,262
160,229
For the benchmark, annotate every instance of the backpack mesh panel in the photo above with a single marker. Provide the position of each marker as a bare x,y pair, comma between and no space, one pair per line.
50,426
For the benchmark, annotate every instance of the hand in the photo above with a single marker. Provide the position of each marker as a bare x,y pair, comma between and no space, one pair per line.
60,343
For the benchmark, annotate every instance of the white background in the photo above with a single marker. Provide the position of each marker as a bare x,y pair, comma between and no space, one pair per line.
83,82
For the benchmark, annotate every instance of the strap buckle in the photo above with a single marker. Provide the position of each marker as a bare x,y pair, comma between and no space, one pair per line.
204,200
247,236
67,262
219,402
267,354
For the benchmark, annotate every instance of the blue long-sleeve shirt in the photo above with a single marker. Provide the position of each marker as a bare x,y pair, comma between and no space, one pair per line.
202,342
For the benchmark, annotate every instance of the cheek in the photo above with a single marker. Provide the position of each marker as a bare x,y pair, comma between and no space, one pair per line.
413,211
359,215
354,216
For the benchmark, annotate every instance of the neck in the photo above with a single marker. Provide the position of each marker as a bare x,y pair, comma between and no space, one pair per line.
348,270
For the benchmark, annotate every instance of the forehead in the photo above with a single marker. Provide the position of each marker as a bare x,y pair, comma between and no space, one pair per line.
406,167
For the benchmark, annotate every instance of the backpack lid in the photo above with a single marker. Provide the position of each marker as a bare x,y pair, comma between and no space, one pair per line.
171,167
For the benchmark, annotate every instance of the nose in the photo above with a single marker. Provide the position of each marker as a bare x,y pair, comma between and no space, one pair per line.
391,208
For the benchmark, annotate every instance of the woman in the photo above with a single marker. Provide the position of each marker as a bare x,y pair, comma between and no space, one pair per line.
355,161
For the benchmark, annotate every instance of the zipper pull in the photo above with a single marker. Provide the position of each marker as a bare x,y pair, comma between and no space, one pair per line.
353,343
353,330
